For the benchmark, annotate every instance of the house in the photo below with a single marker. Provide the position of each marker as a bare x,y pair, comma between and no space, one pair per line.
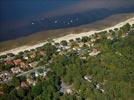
23,66
42,72
124,35
118,53
9,58
110,37
42,53
127,34
33,64
90,44
83,57
33,55
102,90
98,37
61,47
93,40
16,70
25,57
1,59
5,76
74,48
24,84
99,87
69,91
88,78
36,74
80,44
87,44
1,91
94,52
61,53
17,61
66,47
31,81
9,62
58,50
66,89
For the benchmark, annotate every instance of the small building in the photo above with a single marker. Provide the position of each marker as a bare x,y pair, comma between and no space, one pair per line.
94,52
88,78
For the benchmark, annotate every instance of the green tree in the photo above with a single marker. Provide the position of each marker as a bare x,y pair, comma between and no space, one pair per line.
15,81
36,90
64,43
20,93
50,49
85,39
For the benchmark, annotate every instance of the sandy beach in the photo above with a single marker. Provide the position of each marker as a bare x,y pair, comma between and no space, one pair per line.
67,37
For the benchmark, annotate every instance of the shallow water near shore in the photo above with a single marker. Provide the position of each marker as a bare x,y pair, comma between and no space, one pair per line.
22,18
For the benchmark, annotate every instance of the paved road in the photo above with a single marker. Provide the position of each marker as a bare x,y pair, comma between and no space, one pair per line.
32,70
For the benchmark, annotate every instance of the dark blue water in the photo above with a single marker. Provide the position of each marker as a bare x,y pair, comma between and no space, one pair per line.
24,17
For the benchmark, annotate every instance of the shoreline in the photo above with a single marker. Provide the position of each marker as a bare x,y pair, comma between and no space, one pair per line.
67,37
42,36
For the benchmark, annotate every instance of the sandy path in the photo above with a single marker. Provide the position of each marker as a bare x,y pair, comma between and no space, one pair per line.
67,37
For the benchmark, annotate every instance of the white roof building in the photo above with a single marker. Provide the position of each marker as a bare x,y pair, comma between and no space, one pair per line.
88,78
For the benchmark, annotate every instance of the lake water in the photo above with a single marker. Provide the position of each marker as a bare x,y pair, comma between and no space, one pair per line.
24,17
